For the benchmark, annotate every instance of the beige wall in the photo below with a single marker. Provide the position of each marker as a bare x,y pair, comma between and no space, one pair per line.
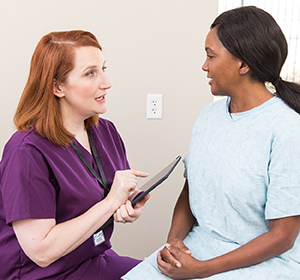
152,47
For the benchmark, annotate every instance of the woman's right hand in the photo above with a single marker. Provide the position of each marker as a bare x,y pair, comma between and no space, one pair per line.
125,181
178,243
168,257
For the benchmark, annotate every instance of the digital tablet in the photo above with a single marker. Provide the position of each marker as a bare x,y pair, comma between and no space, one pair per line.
148,187
155,181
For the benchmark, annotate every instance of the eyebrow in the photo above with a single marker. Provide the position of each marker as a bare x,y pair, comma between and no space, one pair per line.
90,67
93,66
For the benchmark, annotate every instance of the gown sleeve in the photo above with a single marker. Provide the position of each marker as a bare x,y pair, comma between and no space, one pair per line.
283,194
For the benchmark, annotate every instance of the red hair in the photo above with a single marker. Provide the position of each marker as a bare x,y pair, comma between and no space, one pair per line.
52,60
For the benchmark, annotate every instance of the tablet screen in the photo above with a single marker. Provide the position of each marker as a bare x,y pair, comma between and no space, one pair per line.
155,181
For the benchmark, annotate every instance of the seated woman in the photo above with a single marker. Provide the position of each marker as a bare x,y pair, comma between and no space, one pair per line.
238,214
64,173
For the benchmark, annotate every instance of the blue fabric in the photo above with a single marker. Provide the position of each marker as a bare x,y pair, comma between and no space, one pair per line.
243,170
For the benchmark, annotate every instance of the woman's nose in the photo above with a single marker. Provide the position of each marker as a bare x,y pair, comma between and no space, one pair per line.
105,83
204,66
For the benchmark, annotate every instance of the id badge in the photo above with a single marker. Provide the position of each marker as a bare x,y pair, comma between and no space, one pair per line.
98,238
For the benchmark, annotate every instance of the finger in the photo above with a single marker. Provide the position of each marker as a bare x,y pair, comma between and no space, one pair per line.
126,178
131,186
133,194
140,204
131,214
160,261
138,173
125,215
185,249
159,258
118,216
128,181
126,174
163,266
123,212
130,210
174,250
169,258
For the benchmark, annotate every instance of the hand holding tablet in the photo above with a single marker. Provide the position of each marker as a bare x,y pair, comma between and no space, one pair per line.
155,181
149,186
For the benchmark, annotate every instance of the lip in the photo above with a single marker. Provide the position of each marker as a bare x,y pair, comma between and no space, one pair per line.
101,98
210,80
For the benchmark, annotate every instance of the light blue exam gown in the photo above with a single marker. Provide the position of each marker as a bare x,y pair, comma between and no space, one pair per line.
243,170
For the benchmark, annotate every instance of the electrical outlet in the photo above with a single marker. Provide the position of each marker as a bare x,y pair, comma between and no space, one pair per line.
154,106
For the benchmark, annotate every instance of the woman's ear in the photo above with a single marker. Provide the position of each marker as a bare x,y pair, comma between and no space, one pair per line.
244,68
57,90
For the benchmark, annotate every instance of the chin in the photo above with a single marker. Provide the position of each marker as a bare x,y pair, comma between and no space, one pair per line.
102,110
218,93
215,93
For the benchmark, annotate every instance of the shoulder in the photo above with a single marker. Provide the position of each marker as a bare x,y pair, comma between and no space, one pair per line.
104,123
215,108
28,142
21,150
106,135
104,128
17,140
212,113
283,117
280,124
106,131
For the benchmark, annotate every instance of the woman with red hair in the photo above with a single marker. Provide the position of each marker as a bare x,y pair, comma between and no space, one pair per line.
64,173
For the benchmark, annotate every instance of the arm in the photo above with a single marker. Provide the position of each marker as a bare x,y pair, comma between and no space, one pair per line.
183,219
280,238
44,241
182,222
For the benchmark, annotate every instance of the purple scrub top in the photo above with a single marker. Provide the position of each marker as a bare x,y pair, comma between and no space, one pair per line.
42,180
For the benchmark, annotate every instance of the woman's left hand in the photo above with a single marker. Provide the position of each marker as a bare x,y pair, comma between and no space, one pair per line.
187,267
126,213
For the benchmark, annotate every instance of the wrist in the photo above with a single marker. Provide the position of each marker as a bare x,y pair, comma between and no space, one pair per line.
172,239
204,269
173,235
111,203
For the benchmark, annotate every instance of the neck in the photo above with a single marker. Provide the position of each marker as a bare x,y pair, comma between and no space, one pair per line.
75,127
83,139
249,97
79,131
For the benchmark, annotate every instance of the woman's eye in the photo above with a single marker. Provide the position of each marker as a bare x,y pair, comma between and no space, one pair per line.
90,73
104,68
